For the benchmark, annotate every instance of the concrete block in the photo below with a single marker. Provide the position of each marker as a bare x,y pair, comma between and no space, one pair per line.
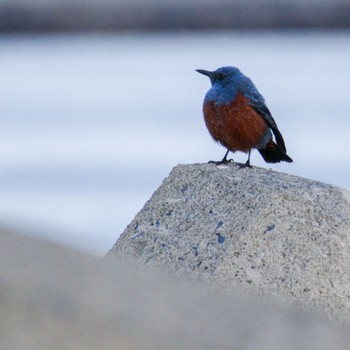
256,230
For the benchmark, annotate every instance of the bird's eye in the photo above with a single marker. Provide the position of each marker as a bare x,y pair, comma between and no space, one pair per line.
221,76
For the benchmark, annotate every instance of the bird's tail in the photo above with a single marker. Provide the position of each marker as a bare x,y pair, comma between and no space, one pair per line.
272,153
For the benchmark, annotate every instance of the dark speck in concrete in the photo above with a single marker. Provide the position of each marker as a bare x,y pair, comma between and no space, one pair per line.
221,239
184,188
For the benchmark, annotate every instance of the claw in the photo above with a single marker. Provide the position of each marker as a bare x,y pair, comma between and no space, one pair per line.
222,161
247,163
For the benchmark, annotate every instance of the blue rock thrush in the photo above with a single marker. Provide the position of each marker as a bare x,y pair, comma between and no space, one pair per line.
237,117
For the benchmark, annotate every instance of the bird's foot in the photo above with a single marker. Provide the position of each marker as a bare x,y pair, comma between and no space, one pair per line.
221,162
245,165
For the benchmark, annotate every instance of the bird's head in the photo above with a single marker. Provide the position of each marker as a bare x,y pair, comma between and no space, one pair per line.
223,76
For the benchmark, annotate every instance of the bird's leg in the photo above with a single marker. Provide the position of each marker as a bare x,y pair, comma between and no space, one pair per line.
247,163
223,160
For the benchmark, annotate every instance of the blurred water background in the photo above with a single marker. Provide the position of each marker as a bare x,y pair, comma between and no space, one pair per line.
91,122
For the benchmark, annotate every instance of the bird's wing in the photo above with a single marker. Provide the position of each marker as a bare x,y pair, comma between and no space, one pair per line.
257,102
264,112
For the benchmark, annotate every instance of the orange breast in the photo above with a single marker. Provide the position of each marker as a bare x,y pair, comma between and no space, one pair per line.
236,126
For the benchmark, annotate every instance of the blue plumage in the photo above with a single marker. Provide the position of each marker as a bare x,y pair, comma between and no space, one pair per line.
227,82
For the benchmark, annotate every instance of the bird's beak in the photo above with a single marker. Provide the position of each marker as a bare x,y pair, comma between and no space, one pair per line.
205,72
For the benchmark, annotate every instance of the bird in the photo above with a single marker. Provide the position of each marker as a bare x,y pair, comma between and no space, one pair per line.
237,117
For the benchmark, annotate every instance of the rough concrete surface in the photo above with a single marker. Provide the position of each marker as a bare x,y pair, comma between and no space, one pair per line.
252,229
55,298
